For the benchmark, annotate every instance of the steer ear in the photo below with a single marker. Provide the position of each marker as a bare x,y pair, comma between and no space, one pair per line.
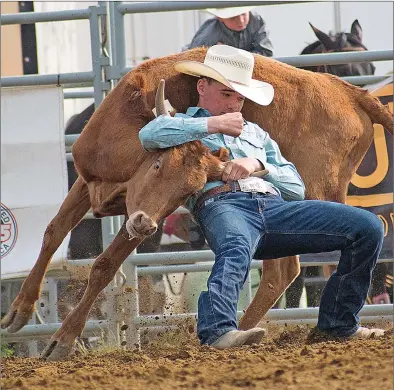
222,154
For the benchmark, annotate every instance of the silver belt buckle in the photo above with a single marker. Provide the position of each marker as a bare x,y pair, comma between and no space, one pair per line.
271,191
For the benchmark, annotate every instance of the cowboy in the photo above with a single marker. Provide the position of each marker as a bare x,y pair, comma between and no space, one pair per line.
237,27
245,217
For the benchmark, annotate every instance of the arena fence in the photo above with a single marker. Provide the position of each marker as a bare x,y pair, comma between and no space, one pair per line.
107,69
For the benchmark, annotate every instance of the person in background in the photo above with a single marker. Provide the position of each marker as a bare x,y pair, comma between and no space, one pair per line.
237,27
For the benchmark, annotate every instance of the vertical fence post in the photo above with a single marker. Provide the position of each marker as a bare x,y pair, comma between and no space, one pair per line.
248,286
119,36
107,224
117,40
110,225
52,300
131,305
32,345
127,301
113,309
112,33
337,17
105,44
96,55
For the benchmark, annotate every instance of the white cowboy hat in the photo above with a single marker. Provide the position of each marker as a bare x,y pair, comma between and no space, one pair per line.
226,13
232,67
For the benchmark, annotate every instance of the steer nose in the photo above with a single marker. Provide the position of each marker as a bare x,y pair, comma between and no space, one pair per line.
140,224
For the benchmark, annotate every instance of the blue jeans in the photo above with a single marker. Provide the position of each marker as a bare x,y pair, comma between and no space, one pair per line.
240,226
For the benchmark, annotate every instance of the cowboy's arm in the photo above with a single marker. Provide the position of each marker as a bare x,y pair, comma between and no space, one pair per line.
166,131
261,44
282,173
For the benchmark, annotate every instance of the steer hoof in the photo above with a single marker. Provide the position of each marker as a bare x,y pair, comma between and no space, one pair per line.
55,351
17,317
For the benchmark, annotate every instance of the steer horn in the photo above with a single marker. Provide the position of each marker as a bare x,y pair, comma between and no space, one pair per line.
159,101
260,173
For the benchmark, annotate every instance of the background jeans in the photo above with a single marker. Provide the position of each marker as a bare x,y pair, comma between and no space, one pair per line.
240,226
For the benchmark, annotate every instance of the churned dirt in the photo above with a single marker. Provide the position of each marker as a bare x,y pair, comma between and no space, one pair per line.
286,359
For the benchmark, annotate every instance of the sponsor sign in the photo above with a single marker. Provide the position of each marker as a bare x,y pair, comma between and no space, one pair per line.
33,174
9,231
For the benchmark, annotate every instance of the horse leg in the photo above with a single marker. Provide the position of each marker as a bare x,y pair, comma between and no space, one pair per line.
72,210
102,272
277,276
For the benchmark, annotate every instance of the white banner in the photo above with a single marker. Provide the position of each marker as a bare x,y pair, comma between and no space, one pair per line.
33,174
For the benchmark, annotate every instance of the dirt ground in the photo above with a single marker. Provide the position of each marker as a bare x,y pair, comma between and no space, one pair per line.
286,359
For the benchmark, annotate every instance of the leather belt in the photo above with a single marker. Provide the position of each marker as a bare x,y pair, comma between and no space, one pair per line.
234,187
215,191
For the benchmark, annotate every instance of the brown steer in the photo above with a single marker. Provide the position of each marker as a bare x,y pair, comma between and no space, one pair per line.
322,124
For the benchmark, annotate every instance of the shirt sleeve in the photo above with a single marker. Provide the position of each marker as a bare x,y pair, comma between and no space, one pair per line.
166,131
261,44
282,173
207,35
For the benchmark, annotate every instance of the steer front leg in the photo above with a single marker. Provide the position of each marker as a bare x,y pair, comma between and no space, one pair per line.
74,207
102,272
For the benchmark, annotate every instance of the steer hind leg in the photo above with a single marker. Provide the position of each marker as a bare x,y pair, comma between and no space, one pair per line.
72,210
102,272
278,274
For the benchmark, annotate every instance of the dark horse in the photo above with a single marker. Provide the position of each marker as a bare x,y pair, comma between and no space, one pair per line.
340,42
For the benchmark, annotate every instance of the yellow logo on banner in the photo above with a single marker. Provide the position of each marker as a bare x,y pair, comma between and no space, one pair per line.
382,162
382,165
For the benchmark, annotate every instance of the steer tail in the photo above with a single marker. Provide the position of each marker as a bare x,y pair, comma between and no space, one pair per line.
377,112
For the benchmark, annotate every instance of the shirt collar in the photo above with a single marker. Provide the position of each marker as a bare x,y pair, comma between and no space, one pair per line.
197,112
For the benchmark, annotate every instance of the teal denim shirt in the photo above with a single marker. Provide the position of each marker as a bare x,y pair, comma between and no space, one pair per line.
254,142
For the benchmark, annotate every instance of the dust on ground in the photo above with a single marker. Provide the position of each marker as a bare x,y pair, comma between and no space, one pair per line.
286,359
